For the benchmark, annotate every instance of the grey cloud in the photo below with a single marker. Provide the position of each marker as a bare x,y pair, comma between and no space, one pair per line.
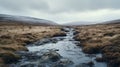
23,5
58,5
83,5
60,10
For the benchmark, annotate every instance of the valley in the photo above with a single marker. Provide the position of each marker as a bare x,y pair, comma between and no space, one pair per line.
44,45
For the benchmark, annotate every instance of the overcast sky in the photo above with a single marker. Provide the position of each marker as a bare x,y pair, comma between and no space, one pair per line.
63,11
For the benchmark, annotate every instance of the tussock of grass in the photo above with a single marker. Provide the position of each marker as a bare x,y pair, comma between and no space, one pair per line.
14,38
9,57
101,38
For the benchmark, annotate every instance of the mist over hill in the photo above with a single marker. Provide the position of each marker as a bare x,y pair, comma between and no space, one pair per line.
13,19
91,23
117,21
76,23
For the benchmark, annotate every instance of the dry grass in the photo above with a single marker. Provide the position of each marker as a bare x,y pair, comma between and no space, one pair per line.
9,57
101,38
14,38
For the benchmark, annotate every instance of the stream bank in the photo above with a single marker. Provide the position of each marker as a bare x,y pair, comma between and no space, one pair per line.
60,51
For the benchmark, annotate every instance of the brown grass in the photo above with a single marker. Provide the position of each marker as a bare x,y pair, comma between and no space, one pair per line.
9,57
101,38
14,38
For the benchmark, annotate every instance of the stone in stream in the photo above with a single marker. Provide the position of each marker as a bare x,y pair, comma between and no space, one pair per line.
30,55
32,65
82,65
89,64
48,40
91,55
54,50
75,33
65,29
63,63
53,40
28,65
77,43
100,59
43,41
51,56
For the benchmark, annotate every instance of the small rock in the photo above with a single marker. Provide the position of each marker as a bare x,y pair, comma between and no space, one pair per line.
50,56
91,63
63,63
28,65
82,65
76,32
99,59
55,49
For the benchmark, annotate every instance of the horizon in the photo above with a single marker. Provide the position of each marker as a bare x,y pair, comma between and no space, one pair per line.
64,11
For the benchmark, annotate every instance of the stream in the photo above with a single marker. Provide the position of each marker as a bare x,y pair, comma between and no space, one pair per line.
58,51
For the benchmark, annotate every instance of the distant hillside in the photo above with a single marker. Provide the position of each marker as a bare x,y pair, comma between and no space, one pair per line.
12,19
112,22
78,23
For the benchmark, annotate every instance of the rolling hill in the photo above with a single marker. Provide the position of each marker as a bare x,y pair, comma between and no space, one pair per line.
13,19
78,23
112,22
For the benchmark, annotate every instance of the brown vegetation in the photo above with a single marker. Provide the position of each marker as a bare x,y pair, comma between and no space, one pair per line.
101,38
15,37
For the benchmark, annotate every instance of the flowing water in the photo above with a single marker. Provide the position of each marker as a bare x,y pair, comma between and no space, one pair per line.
64,46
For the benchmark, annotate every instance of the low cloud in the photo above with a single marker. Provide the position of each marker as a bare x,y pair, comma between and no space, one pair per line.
63,11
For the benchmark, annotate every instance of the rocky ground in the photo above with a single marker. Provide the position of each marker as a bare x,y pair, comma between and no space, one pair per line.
103,39
14,38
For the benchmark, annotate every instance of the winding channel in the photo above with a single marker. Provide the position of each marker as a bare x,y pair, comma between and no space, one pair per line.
64,50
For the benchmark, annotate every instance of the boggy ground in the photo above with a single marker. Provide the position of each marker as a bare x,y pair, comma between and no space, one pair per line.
15,37
103,39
